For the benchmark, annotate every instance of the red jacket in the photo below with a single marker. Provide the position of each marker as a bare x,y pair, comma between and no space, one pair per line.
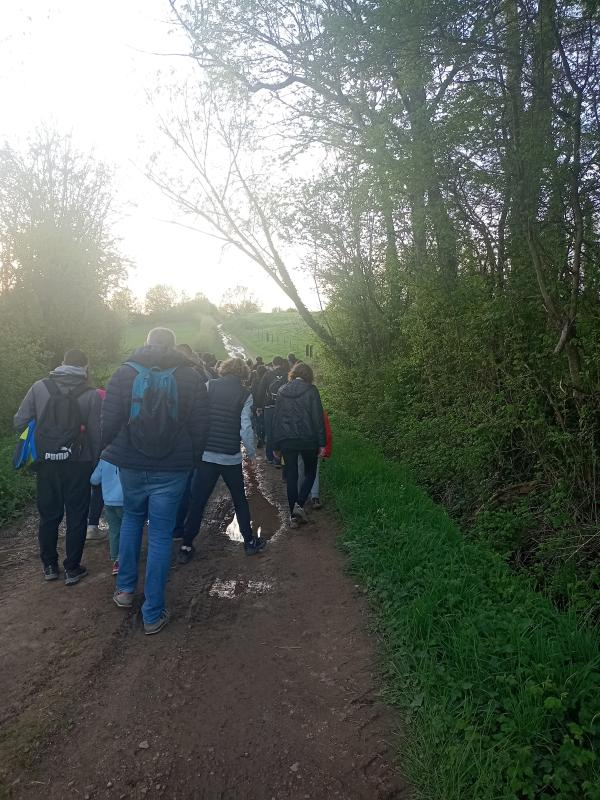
328,436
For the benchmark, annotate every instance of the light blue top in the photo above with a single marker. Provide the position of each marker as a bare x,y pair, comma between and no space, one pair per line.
246,435
108,475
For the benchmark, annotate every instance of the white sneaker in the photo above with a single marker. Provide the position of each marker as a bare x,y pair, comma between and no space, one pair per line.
300,514
95,534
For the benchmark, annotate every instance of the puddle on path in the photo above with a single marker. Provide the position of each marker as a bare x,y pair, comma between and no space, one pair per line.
230,589
232,349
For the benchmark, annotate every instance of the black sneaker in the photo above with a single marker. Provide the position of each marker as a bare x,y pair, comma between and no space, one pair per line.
185,553
51,572
254,546
73,576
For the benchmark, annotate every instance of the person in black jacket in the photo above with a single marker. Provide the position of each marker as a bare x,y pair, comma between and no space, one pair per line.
230,423
299,431
64,485
153,483
265,402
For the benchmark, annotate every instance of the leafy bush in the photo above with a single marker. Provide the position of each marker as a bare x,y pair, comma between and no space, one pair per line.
501,691
17,489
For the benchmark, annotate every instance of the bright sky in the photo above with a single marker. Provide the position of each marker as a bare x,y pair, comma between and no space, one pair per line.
85,67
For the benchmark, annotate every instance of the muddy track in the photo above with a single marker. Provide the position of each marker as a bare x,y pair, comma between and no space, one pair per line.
263,686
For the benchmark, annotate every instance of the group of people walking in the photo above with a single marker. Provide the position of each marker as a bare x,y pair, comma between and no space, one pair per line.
154,445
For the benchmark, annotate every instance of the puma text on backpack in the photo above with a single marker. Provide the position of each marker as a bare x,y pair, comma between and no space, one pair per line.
154,415
60,429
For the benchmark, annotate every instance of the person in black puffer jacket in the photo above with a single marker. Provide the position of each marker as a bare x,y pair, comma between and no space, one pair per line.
230,424
299,431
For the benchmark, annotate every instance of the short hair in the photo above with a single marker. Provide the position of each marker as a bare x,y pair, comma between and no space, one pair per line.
161,337
292,358
279,361
187,351
301,370
75,358
259,360
234,366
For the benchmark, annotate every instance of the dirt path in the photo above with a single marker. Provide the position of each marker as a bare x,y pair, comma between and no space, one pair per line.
263,685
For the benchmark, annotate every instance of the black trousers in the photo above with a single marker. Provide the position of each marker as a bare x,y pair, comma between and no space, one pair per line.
311,459
63,487
203,483
96,505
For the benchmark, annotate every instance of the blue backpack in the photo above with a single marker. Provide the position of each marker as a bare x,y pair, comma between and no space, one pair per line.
154,416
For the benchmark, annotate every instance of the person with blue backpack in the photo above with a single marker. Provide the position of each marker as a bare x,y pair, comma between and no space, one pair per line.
154,427
63,413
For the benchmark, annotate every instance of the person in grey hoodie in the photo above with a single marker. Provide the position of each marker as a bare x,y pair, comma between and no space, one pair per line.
63,484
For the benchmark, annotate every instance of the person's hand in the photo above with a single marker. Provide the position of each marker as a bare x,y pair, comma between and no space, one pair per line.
259,412
277,453
322,451
250,461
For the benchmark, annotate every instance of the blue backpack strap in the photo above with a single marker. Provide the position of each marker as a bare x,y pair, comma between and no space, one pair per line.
169,384
140,383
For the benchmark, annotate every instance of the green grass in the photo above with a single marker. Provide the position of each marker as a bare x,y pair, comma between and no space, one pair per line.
201,334
500,691
17,489
275,334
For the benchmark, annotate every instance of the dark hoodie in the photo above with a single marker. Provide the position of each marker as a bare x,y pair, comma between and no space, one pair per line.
66,378
193,414
298,422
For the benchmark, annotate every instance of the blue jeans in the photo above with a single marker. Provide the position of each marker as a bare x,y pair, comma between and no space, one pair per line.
269,413
152,496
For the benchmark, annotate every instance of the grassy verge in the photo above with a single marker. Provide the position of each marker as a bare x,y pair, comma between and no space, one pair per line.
275,334
501,692
17,489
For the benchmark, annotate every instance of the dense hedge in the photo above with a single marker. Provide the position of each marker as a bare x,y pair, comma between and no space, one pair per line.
500,690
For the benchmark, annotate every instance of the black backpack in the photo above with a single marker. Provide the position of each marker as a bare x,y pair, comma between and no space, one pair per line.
59,431
154,415
274,388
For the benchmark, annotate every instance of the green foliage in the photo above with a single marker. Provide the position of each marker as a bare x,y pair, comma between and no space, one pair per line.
275,334
501,693
17,489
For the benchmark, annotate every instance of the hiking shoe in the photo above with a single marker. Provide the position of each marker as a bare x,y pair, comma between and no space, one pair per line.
155,627
300,514
73,576
316,503
94,534
115,568
123,599
294,524
185,553
254,546
51,572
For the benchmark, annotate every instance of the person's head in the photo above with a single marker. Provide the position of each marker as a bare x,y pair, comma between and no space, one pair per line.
292,359
301,370
250,364
234,366
209,359
260,370
161,337
75,358
187,351
259,360
279,361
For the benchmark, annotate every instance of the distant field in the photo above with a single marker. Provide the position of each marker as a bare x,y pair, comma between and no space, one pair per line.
201,335
269,335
